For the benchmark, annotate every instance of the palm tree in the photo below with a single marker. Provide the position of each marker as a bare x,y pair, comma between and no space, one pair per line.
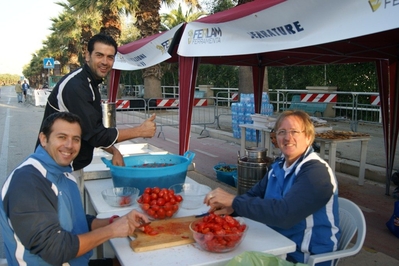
172,19
149,23
176,16
65,37
110,12
77,26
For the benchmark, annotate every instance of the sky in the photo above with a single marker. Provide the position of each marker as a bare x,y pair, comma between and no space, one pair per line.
24,26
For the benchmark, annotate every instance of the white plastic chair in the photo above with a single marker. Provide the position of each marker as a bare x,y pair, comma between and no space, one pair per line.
351,221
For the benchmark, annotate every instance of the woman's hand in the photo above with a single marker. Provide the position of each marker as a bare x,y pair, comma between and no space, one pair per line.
219,201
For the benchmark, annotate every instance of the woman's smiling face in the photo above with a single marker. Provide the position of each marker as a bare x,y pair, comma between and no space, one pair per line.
292,139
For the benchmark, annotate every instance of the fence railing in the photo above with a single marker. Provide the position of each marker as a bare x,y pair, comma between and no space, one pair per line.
354,107
135,111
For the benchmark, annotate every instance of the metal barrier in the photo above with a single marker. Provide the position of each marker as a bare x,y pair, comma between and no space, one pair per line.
230,94
167,111
223,102
353,106
131,111
170,91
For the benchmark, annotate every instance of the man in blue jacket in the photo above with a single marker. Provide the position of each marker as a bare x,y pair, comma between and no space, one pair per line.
42,216
25,87
298,197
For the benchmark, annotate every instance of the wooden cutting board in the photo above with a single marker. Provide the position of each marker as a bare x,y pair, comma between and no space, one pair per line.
172,232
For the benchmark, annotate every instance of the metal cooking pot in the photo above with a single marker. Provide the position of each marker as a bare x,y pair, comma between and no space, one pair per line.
255,153
251,168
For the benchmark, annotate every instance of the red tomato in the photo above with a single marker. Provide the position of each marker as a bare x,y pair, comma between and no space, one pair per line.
166,197
217,227
149,230
161,193
151,212
218,220
161,201
146,198
153,233
169,213
155,207
205,230
156,190
178,198
145,206
147,190
167,206
154,195
172,200
230,220
208,236
161,213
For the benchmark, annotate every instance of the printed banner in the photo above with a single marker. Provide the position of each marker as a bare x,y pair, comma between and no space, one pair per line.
146,52
286,25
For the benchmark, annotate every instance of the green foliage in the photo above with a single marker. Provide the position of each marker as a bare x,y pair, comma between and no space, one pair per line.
131,77
214,6
347,77
218,76
8,79
361,77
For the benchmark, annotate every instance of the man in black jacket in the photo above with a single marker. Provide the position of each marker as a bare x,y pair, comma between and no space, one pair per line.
78,93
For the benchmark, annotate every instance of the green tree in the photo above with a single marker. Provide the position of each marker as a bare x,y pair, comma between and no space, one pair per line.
168,21
176,16
149,23
360,77
110,12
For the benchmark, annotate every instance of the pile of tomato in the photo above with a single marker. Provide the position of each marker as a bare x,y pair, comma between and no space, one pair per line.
159,203
125,201
218,233
149,230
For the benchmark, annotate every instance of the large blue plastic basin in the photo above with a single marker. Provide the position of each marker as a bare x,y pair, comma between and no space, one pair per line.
136,174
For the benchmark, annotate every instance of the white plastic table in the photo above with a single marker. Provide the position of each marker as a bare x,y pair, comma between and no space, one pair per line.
333,152
259,237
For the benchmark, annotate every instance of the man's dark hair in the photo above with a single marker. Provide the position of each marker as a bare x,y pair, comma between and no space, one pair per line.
101,38
48,123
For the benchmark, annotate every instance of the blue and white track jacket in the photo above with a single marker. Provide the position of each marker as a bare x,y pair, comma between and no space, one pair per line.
41,214
300,202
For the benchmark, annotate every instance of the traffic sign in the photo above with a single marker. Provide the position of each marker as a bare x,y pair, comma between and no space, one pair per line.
48,62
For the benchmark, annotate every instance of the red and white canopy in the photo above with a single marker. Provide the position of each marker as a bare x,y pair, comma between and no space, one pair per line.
283,33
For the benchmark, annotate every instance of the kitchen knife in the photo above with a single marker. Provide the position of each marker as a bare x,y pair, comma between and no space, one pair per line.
202,215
